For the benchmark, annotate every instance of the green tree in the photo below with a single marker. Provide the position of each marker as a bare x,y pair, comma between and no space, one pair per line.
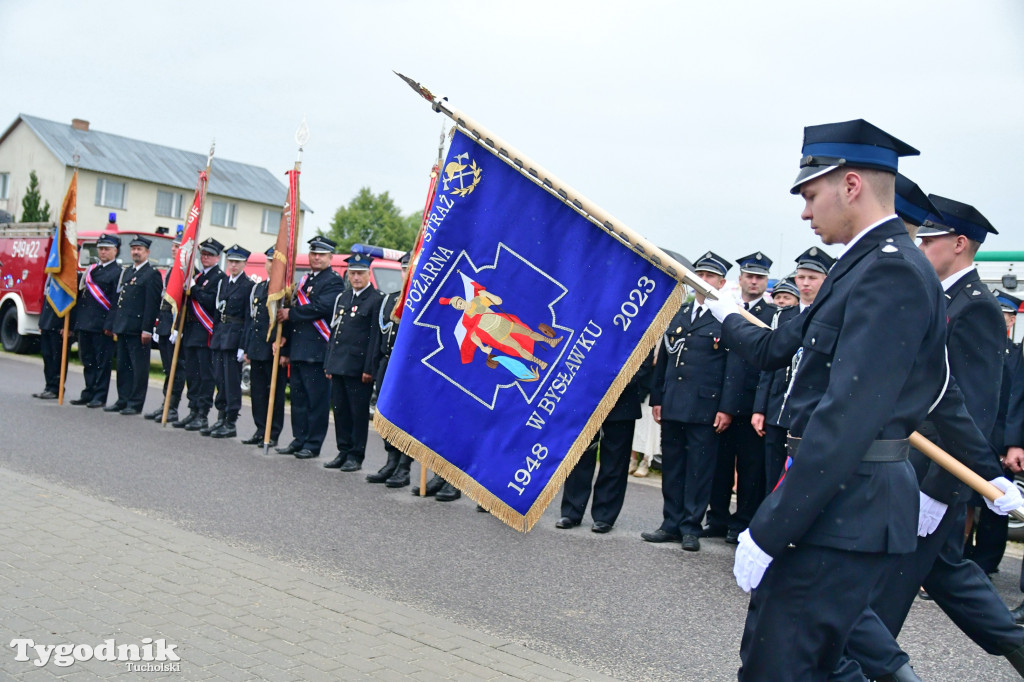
30,211
372,219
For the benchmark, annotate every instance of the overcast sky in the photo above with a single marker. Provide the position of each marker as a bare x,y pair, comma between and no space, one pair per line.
683,120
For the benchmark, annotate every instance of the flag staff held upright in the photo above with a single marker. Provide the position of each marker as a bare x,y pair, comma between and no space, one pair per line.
186,266
279,288
62,266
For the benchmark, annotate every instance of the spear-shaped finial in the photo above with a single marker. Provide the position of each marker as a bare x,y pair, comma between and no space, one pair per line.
422,90
209,159
301,137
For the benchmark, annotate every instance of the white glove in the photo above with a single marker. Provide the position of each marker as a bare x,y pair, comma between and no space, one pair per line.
1009,501
723,307
240,355
930,515
750,564
156,338
174,336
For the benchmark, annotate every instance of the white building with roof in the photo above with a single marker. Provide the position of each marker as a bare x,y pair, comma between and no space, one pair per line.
147,185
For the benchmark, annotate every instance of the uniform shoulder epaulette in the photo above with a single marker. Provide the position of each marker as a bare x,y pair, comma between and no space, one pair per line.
890,250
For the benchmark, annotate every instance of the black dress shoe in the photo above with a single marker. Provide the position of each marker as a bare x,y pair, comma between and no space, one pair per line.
289,449
129,412
732,537
210,428
566,522
600,527
114,408
691,543
351,465
480,508
924,596
271,444
1018,614
714,532
172,416
306,454
155,414
336,462
659,536
254,439
96,403
188,419
45,395
447,493
80,401
433,486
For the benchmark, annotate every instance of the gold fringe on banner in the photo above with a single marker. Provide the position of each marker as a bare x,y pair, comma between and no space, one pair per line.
488,500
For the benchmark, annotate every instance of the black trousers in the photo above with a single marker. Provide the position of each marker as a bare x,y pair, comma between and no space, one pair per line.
612,476
227,372
260,374
166,358
784,638
50,345
132,371
740,450
351,398
96,351
199,370
990,534
774,456
958,586
688,453
311,405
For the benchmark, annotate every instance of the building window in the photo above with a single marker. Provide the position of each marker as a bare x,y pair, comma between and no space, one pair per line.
110,193
169,204
222,213
5,185
271,221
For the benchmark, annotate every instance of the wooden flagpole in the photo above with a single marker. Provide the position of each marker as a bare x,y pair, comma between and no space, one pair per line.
656,256
184,299
301,137
64,356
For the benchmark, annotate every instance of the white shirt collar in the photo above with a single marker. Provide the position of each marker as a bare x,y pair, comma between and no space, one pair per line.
140,264
863,232
804,306
948,283
359,292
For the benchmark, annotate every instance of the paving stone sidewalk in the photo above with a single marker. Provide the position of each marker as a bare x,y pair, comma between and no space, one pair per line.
78,570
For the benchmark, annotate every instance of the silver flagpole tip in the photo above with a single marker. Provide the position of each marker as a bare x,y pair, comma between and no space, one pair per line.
423,91
302,134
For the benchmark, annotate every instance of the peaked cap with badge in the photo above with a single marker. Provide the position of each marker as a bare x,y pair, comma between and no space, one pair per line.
321,244
850,144
815,259
358,262
1007,302
212,247
712,262
236,253
954,217
912,204
755,264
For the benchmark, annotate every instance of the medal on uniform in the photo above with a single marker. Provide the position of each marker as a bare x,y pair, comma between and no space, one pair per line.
354,309
716,342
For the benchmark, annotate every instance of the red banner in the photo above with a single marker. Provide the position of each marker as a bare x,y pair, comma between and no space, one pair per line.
282,268
181,269
435,172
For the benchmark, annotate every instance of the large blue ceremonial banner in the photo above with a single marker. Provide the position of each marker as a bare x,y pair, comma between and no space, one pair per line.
524,322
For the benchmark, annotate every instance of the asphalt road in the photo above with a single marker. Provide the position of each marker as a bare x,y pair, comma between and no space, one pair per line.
608,602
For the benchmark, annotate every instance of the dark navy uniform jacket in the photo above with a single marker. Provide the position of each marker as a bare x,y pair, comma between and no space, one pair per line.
351,352
383,336
48,320
139,301
975,339
233,306
750,375
695,376
203,292
257,322
92,316
303,342
770,399
627,407
165,318
873,362
1010,421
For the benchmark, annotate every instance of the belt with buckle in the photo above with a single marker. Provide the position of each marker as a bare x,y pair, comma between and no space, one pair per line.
878,451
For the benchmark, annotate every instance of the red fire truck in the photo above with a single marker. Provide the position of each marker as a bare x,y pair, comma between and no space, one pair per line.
23,251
